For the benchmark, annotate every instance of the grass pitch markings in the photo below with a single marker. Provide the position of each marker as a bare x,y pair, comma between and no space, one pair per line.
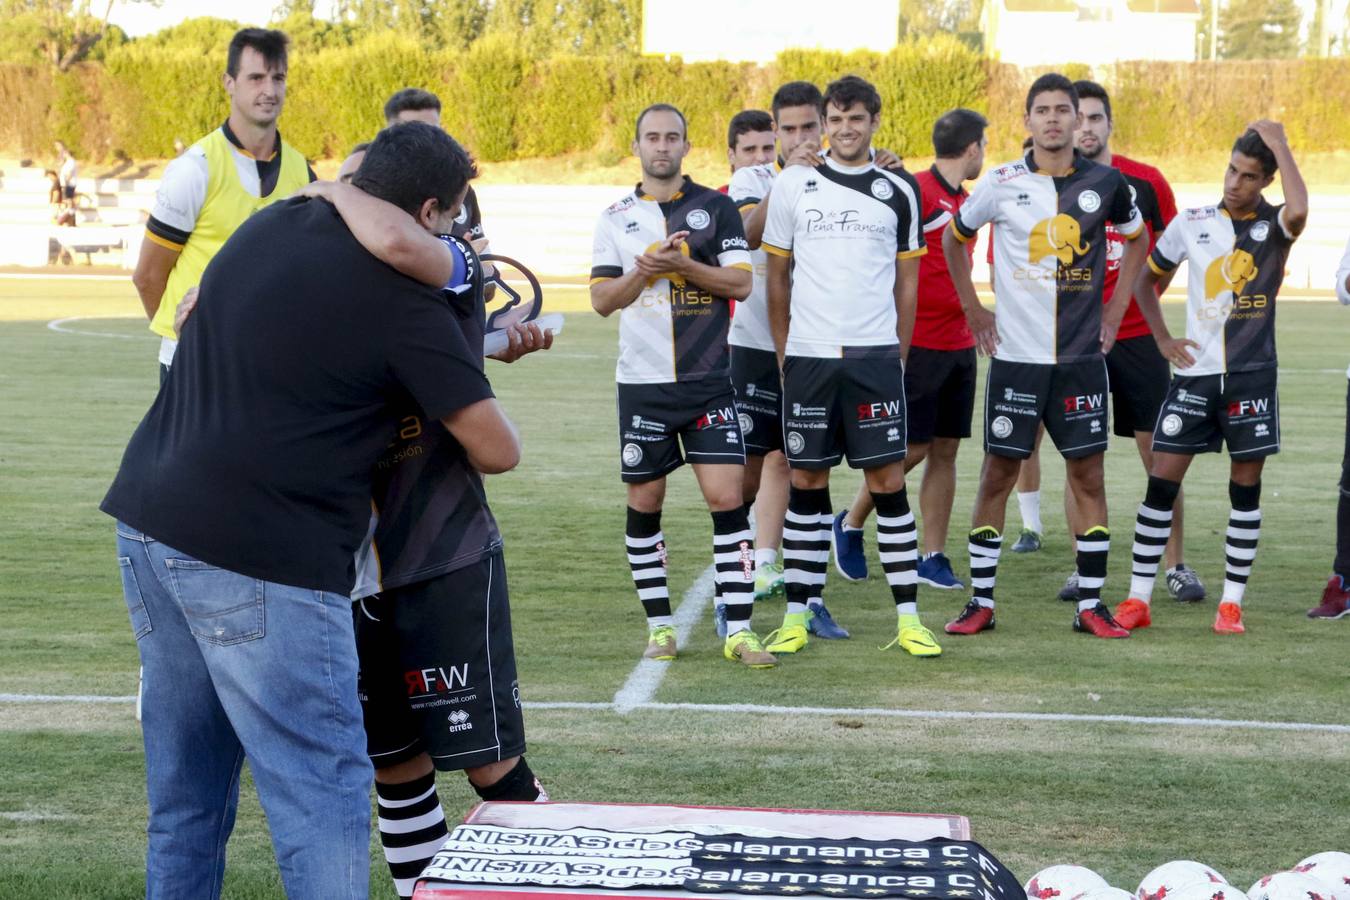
647,675
643,682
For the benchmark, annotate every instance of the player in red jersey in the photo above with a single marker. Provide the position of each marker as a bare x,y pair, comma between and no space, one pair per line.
940,372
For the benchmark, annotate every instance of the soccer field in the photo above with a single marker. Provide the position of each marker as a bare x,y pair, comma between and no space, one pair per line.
1012,729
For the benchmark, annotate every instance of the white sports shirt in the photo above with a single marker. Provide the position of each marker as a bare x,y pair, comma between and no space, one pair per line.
750,326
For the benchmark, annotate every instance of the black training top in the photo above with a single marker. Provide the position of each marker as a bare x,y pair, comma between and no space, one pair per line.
290,375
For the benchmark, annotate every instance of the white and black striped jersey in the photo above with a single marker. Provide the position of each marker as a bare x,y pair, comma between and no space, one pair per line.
844,228
674,330
1050,258
1236,269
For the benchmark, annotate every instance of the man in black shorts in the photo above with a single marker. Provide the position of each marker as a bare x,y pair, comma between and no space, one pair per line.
1049,333
667,257
1226,390
844,239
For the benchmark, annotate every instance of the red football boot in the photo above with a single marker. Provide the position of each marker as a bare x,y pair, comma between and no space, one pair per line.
973,619
1133,613
1098,623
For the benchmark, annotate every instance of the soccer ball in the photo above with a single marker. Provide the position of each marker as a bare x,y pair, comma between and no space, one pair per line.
1064,883
1294,886
1107,893
1170,877
1332,867
1206,890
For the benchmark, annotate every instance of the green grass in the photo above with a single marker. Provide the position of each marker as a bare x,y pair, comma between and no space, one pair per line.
1120,798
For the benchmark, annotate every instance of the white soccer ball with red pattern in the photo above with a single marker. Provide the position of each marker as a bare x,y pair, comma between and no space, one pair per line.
1107,893
1063,883
1207,890
1332,867
1164,881
1296,886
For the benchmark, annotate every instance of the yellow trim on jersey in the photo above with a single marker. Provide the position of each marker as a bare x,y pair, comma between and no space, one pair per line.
227,205
959,236
776,251
744,267
745,206
602,278
1135,236
912,254
163,242
1157,270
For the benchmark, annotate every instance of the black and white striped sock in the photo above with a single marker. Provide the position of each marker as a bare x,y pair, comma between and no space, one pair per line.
734,558
412,828
806,546
1152,529
985,544
647,560
1239,545
898,547
1092,551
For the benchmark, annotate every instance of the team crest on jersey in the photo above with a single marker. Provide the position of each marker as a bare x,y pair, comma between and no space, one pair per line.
1059,236
1260,231
882,190
1090,201
1230,273
698,219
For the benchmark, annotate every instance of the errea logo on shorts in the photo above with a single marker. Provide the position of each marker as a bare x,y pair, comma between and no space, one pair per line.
698,219
881,189
459,721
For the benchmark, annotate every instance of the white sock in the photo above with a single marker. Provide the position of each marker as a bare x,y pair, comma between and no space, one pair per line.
766,556
1030,505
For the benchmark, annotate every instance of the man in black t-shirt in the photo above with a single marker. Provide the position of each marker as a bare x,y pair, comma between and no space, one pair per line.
241,501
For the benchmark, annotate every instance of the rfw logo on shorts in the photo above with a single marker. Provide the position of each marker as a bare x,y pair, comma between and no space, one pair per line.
1240,409
887,409
715,418
436,680
1083,403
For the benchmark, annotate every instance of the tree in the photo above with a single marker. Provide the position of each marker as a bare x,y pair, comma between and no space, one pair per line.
925,18
64,32
1259,29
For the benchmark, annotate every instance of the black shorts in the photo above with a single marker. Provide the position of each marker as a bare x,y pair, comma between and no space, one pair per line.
1203,412
759,400
939,393
850,405
1139,375
438,670
655,420
1069,397
68,192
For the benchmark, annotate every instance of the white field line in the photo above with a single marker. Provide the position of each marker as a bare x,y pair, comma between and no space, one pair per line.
646,676
62,325
847,711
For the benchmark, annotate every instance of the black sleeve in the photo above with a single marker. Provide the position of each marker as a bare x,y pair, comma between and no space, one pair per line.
1121,201
728,230
430,357
908,221
310,170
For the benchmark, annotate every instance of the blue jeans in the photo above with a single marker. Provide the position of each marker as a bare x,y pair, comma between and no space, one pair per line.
240,668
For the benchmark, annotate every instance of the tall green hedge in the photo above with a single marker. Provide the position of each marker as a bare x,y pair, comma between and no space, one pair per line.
505,104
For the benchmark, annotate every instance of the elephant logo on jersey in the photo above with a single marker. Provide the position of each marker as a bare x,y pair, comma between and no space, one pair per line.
675,278
1058,236
1229,273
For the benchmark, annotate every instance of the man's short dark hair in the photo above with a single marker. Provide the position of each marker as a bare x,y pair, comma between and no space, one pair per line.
747,121
409,99
271,44
658,107
850,90
1052,81
1250,144
1092,90
956,130
412,162
797,93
